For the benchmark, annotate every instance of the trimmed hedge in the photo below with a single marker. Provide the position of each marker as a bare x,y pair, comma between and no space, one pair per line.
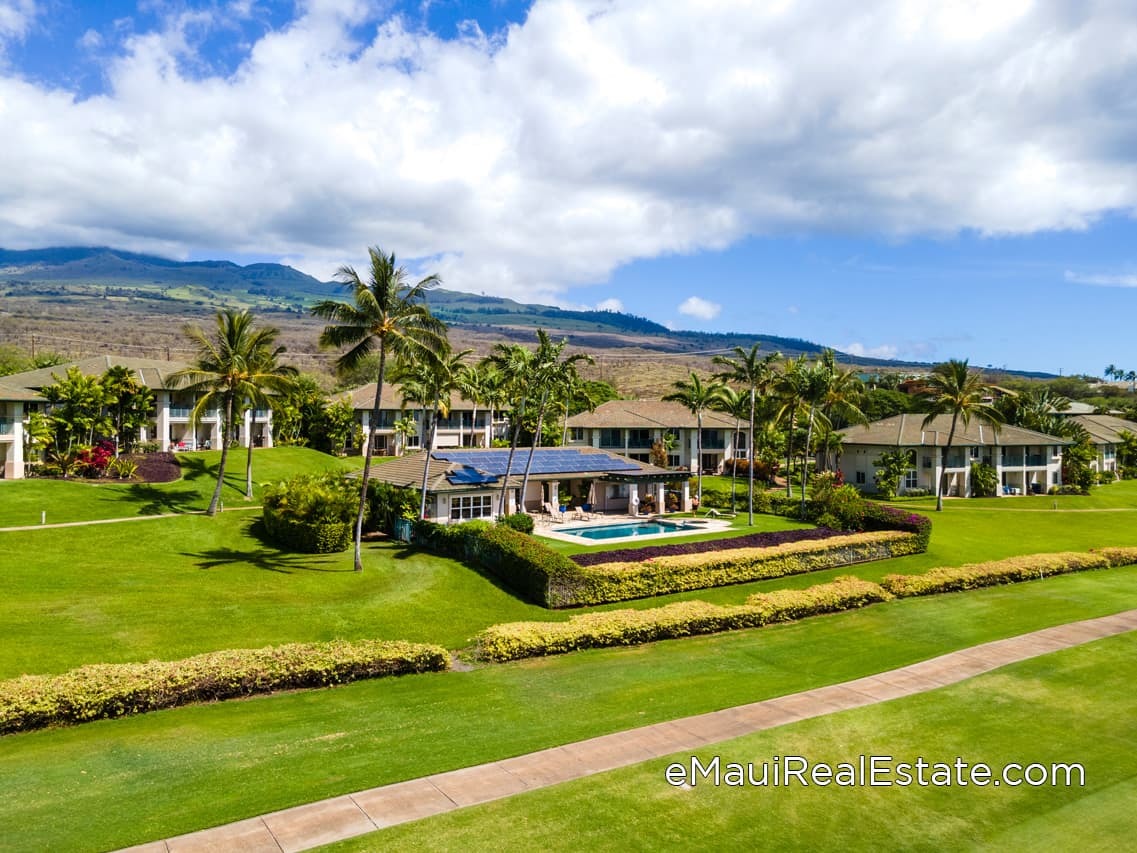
100,691
1010,570
312,514
631,627
610,582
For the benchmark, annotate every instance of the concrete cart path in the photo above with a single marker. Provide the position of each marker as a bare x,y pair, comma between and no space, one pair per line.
308,826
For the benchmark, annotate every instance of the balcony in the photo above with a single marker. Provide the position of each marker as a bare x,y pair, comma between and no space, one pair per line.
1013,460
1036,460
5,426
180,412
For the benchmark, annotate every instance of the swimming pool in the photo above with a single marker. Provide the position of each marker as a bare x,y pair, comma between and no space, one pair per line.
630,529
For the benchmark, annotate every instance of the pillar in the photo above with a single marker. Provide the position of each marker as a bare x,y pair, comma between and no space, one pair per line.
660,496
162,405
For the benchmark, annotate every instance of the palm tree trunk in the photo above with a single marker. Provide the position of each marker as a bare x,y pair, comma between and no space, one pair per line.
536,441
215,503
699,460
372,428
426,463
750,460
249,458
473,427
790,457
805,459
734,462
943,464
509,462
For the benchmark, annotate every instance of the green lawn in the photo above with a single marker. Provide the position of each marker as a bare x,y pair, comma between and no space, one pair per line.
169,588
23,501
146,777
1065,707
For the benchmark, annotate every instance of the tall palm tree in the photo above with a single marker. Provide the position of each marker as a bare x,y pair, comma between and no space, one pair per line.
697,396
791,388
229,369
735,404
551,373
841,404
515,363
470,382
955,389
430,384
283,381
388,314
814,386
756,374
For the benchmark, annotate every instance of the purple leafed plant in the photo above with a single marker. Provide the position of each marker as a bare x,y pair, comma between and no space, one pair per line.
753,540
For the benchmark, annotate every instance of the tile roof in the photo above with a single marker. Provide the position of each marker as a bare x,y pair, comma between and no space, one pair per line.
908,430
647,414
15,393
152,372
363,398
1105,429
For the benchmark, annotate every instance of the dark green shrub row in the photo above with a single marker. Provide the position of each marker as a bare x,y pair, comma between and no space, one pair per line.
386,504
842,508
1011,570
523,563
313,514
520,521
630,627
100,691
608,582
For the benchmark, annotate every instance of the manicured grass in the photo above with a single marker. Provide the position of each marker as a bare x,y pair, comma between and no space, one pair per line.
22,501
1065,707
141,778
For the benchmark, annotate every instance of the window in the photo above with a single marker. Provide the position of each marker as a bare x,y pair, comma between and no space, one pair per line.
974,452
611,438
639,438
463,507
620,490
576,433
860,478
911,479
927,462
673,460
640,457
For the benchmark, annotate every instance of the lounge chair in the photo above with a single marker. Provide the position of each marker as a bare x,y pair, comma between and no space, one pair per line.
555,515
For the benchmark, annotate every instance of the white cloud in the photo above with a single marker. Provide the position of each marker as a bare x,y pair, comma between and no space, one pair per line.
591,135
695,306
611,304
1103,280
882,351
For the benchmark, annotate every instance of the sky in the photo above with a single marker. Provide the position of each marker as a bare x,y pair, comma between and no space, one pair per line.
911,179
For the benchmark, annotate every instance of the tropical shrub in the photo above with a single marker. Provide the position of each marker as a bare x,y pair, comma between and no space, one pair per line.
99,691
893,465
1010,570
984,480
122,468
516,640
386,504
519,521
312,514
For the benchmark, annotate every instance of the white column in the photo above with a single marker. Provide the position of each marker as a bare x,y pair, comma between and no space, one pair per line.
162,404
686,498
14,469
660,496
268,428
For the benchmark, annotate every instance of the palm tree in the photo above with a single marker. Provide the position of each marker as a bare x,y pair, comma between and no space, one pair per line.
736,405
841,404
697,397
514,363
791,387
551,374
228,370
430,384
283,381
1111,371
815,382
387,314
755,374
470,382
956,390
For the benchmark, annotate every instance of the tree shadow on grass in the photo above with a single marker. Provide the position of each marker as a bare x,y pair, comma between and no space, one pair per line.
156,499
265,559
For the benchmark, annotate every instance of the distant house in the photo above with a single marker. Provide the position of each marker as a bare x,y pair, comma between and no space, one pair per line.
631,427
459,429
466,483
1026,462
1105,432
170,426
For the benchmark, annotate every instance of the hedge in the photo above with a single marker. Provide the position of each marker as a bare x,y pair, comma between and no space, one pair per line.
516,640
610,582
1010,570
288,534
101,691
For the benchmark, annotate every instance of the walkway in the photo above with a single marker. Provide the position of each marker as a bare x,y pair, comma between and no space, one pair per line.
57,525
308,826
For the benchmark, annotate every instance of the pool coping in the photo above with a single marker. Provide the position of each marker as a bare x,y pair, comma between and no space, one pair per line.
706,525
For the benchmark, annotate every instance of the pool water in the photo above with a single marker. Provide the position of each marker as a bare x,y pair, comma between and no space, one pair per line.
636,528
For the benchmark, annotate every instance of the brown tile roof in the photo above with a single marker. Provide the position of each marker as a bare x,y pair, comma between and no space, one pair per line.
908,431
15,393
647,414
363,398
1105,429
151,372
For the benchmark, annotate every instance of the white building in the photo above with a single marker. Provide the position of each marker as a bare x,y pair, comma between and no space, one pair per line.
1026,462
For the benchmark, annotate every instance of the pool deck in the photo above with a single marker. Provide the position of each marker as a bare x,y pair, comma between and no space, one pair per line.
555,529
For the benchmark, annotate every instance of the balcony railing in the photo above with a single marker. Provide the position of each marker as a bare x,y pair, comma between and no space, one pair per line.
1012,460
180,411
1036,459
5,426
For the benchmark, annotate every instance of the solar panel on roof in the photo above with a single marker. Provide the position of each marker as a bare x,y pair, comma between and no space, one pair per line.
468,476
545,461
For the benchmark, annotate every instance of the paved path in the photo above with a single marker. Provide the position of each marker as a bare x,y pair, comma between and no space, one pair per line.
323,822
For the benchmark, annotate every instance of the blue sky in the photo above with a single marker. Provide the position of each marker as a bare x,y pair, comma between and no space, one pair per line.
918,179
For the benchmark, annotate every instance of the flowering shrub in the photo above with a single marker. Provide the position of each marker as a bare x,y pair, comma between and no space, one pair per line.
687,618
1011,570
99,691
92,461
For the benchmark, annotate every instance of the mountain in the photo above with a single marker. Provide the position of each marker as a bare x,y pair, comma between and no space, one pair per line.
70,275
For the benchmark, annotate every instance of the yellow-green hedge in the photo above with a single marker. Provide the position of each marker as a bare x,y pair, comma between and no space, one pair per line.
1011,570
608,582
630,627
99,691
